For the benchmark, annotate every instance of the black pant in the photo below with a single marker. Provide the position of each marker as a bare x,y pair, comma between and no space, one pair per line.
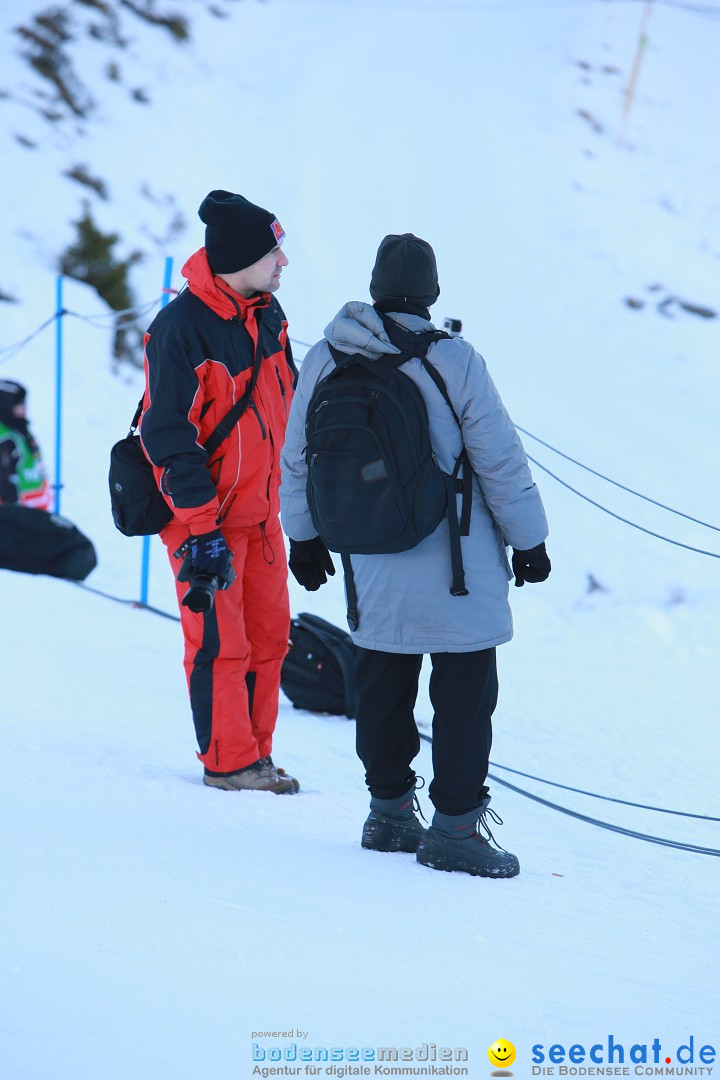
463,692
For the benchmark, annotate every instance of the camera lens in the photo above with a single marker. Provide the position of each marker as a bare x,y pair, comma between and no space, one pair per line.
200,597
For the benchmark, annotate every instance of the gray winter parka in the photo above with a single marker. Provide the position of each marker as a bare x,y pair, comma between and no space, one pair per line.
404,599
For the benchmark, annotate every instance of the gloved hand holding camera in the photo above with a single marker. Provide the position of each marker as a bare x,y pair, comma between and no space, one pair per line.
207,565
310,563
532,565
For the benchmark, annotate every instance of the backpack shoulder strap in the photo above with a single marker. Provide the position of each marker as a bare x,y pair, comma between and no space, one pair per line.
376,366
440,383
463,486
342,359
411,342
417,344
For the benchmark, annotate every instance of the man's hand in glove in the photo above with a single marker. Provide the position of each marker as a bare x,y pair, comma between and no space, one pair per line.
310,563
532,565
209,555
207,565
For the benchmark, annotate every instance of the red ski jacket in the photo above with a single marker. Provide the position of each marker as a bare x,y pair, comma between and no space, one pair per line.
199,357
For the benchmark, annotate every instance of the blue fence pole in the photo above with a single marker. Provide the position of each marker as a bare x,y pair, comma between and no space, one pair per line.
58,389
145,570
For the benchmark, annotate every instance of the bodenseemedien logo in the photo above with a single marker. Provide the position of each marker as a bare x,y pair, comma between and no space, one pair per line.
501,1054
341,1062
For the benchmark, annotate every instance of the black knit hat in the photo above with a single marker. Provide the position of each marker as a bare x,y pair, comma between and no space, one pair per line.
237,232
405,269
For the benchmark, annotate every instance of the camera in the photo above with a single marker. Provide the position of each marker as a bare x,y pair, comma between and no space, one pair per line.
452,327
200,597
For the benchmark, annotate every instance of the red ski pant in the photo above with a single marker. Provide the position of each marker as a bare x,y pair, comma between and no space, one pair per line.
234,653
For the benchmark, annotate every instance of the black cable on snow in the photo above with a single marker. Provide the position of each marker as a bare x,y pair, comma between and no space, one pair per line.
616,483
607,825
606,798
155,610
705,10
128,603
618,517
678,844
496,779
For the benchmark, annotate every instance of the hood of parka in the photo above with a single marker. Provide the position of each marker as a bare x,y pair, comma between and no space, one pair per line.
357,328
217,294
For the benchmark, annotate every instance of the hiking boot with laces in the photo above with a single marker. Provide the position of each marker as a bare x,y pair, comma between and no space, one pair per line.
268,763
256,777
463,843
392,824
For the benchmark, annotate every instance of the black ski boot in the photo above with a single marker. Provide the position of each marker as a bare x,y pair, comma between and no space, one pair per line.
463,843
392,824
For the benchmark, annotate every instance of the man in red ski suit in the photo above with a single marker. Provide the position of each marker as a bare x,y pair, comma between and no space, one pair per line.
224,340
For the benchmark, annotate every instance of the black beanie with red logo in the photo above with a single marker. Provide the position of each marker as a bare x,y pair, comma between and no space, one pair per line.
237,232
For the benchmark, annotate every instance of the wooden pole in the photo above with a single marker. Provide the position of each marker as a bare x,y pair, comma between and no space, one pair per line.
632,83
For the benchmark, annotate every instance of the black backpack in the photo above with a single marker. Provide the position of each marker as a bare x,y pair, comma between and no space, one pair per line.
374,485
318,673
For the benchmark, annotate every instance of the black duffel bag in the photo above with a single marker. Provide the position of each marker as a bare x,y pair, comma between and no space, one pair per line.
318,673
35,542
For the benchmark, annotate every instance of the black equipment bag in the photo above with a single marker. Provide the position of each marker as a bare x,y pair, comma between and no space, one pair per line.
373,482
318,673
138,508
36,542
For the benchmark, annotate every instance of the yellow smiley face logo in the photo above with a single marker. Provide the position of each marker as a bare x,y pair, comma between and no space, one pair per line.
501,1054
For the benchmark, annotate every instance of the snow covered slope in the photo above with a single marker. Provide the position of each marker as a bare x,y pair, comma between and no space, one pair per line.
151,926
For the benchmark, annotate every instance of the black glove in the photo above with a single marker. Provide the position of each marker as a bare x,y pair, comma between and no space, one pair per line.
209,554
532,565
310,563
207,566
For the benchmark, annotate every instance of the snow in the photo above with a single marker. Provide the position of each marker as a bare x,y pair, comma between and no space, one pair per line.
150,925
